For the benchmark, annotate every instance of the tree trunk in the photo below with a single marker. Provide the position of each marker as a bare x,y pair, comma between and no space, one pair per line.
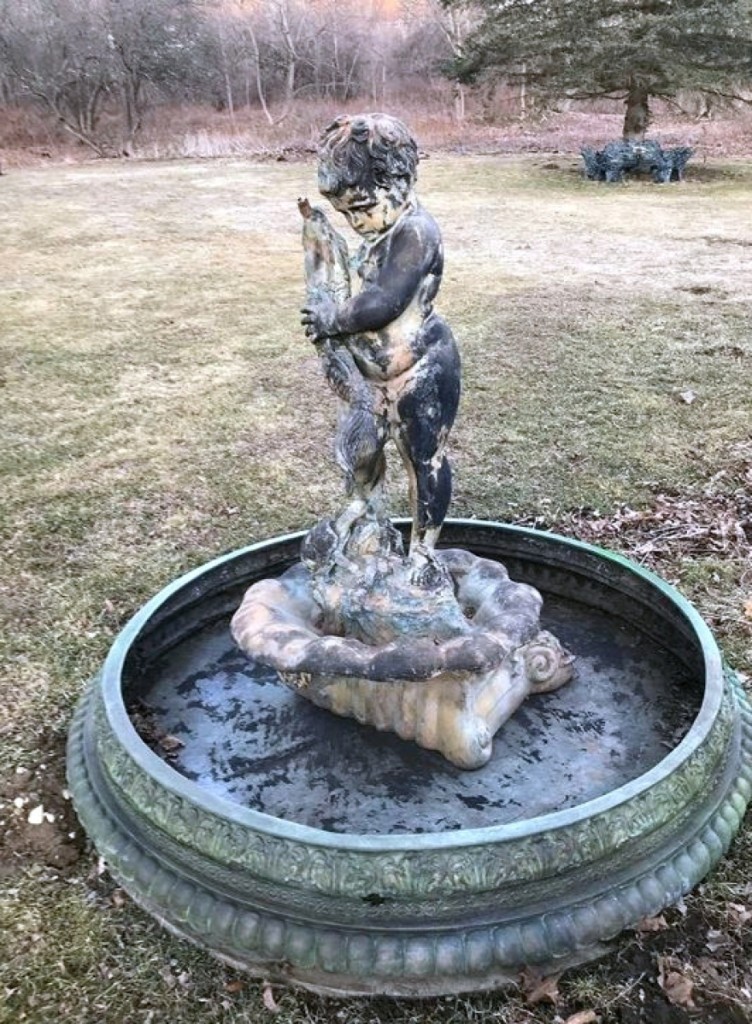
131,117
637,115
292,56
54,105
259,79
229,99
523,94
458,94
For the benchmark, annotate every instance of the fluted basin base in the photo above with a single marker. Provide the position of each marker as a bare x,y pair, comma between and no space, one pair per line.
314,850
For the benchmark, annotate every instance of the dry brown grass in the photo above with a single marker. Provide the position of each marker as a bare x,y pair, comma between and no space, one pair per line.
491,125
159,406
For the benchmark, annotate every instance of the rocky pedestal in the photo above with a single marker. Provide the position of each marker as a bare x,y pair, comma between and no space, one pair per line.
441,648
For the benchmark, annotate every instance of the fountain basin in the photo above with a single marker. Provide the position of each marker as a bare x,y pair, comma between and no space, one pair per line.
314,850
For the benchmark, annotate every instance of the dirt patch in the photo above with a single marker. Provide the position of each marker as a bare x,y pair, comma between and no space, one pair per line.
37,821
717,240
686,965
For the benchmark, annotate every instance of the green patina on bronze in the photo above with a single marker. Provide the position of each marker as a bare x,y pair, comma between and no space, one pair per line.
448,912
466,868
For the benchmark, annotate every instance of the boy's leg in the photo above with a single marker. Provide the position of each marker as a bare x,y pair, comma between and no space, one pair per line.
426,411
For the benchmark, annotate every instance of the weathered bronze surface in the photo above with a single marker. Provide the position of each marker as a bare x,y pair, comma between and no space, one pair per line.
441,651
628,157
386,351
445,668
321,901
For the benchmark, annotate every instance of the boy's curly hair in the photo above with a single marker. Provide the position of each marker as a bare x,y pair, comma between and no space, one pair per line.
368,150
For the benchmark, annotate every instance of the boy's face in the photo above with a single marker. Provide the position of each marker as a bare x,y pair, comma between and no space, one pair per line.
370,211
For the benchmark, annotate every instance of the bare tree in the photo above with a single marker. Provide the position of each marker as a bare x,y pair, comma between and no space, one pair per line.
56,54
455,23
100,66
298,49
342,37
73,59
273,31
425,48
153,44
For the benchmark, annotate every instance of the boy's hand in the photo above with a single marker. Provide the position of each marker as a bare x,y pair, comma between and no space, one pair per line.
319,318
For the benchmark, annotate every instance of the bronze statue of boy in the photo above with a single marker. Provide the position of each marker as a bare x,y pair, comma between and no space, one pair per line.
402,348
440,647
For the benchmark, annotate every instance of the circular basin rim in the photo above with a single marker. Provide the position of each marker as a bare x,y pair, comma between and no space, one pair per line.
178,784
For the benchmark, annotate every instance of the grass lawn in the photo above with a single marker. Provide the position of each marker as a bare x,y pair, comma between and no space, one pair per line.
159,405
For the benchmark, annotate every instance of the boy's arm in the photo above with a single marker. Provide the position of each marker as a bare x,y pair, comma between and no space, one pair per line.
382,299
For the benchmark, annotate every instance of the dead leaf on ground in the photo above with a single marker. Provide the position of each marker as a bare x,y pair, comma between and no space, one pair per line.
747,609
583,1017
652,924
171,743
269,1001
709,968
236,985
539,989
676,985
738,912
117,898
681,906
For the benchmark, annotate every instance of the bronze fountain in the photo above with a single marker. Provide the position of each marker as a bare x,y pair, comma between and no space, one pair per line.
393,847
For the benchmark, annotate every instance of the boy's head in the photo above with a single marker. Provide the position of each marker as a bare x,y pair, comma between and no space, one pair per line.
367,168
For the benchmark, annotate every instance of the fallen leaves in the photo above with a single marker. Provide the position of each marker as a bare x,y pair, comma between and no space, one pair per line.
716,940
118,898
538,988
739,914
152,733
688,527
677,985
171,743
710,519
583,1017
652,924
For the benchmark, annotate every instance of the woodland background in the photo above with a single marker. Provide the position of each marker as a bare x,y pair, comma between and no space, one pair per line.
202,78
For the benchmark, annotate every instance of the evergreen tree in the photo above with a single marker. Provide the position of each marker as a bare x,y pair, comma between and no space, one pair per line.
635,49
